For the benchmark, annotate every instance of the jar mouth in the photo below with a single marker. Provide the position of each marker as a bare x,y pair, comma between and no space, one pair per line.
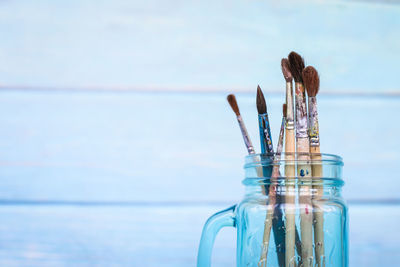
293,166
270,159
285,181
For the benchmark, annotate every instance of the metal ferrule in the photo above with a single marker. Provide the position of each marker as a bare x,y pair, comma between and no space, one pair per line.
289,125
289,105
245,135
313,128
301,113
265,134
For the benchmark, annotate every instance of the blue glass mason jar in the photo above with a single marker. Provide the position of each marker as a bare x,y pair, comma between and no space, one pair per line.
286,221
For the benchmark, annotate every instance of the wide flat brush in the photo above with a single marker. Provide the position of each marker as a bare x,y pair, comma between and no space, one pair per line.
296,64
274,216
311,82
290,171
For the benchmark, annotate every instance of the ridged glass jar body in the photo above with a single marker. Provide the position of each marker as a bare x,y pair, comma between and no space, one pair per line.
286,221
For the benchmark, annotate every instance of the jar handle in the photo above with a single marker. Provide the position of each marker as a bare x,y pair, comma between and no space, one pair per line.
210,230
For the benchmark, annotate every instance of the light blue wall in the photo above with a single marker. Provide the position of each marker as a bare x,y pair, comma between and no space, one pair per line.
205,45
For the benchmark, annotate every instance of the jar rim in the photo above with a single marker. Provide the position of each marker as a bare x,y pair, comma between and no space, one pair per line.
254,160
284,181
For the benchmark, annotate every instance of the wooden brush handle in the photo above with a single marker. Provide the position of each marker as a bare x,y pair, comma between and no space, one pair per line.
318,206
260,173
306,214
315,157
274,213
290,174
268,223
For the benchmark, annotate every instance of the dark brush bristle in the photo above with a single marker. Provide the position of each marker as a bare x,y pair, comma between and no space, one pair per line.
311,80
296,65
284,110
286,70
232,101
261,105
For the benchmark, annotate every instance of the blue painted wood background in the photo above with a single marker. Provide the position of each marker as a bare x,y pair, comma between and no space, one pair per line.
125,178
116,141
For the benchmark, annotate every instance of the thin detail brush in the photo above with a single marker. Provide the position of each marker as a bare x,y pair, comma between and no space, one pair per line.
233,103
311,82
263,122
274,214
296,64
267,149
249,146
279,146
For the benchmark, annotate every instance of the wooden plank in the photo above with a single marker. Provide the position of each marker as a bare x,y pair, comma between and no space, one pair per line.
169,147
190,45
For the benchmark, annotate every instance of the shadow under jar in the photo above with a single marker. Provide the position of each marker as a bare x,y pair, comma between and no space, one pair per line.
286,221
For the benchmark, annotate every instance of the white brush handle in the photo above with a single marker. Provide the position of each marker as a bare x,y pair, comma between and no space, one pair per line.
306,212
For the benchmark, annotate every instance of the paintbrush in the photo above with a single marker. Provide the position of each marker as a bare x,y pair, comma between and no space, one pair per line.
274,199
249,146
277,173
246,138
311,82
263,122
296,64
279,147
267,149
290,171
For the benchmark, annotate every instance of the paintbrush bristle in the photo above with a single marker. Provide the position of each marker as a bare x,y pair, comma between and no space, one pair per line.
311,80
284,110
296,66
261,105
233,103
286,70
